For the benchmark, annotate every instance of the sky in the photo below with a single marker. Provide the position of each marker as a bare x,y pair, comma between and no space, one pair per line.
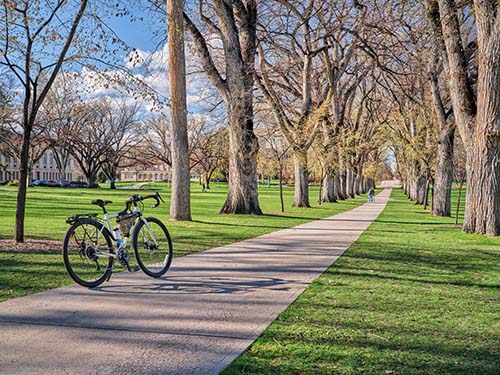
146,34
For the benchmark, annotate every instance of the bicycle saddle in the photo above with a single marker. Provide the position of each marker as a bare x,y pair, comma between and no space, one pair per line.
100,202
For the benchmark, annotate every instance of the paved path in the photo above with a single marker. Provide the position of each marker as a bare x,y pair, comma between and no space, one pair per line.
207,311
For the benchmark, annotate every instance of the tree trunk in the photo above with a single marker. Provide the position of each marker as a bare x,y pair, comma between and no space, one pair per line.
357,184
281,190
180,207
242,195
343,184
350,184
23,185
420,190
328,193
112,184
301,198
477,112
482,206
337,187
426,193
444,173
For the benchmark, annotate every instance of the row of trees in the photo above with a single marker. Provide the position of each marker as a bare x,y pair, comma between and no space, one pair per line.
447,82
339,80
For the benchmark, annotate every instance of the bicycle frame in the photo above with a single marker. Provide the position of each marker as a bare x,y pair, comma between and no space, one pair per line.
106,221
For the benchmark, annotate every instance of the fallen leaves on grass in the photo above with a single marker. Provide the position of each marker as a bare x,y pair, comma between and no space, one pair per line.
31,245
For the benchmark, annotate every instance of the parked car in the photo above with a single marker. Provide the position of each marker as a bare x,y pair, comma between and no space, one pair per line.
39,183
63,183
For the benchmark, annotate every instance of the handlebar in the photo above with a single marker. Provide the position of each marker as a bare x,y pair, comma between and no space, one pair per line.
138,198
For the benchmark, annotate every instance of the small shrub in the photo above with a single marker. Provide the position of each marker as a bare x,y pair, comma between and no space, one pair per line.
13,183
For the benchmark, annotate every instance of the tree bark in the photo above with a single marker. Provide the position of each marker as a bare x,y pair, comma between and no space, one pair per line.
343,184
180,207
301,198
420,190
477,117
243,194
23,185
337,187
328,193
444,173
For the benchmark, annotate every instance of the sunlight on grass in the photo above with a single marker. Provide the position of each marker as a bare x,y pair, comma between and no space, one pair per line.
48,208
413,295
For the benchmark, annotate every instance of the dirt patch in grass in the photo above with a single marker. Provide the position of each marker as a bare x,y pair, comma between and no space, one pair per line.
31,245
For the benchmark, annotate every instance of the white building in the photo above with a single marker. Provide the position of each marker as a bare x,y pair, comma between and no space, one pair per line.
44,169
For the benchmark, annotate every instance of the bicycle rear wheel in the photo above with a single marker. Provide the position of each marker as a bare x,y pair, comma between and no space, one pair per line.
82,244
152,247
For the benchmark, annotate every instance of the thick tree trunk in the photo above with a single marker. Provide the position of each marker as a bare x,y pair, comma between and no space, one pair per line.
328,193
301,198
358,184
337,187
242,195
343,184
482,206
441,197
348,184
482,209
112,184
180,206
477,112
420,190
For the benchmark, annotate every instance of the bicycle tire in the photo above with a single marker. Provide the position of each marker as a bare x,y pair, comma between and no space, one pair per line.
154,259
77,254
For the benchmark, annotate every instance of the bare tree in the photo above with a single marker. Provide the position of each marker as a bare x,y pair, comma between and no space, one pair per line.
289,63
90,139
233,23
30,31
122,124
476,109
209,153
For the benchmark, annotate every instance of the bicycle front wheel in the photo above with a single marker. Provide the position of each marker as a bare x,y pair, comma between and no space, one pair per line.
84,242
152,246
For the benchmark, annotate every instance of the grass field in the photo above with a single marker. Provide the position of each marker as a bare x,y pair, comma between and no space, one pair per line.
413,295
48,208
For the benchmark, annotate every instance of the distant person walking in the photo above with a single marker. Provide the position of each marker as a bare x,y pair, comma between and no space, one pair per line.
371,195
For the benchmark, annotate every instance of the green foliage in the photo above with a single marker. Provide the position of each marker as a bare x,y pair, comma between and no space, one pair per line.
414,295
13,183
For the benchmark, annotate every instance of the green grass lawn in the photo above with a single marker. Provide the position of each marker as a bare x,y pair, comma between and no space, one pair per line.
48,208
413,295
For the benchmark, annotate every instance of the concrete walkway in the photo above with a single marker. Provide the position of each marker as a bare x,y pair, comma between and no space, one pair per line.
208,309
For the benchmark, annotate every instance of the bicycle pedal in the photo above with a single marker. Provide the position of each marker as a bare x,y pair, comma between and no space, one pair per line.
135,269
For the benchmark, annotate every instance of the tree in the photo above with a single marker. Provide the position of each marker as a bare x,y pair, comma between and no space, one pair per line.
278,152
91,137
289,62
31,33
476,109
180,208
233,23
121,121
444,159
209,153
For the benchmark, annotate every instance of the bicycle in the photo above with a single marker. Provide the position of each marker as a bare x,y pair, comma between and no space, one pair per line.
89,245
